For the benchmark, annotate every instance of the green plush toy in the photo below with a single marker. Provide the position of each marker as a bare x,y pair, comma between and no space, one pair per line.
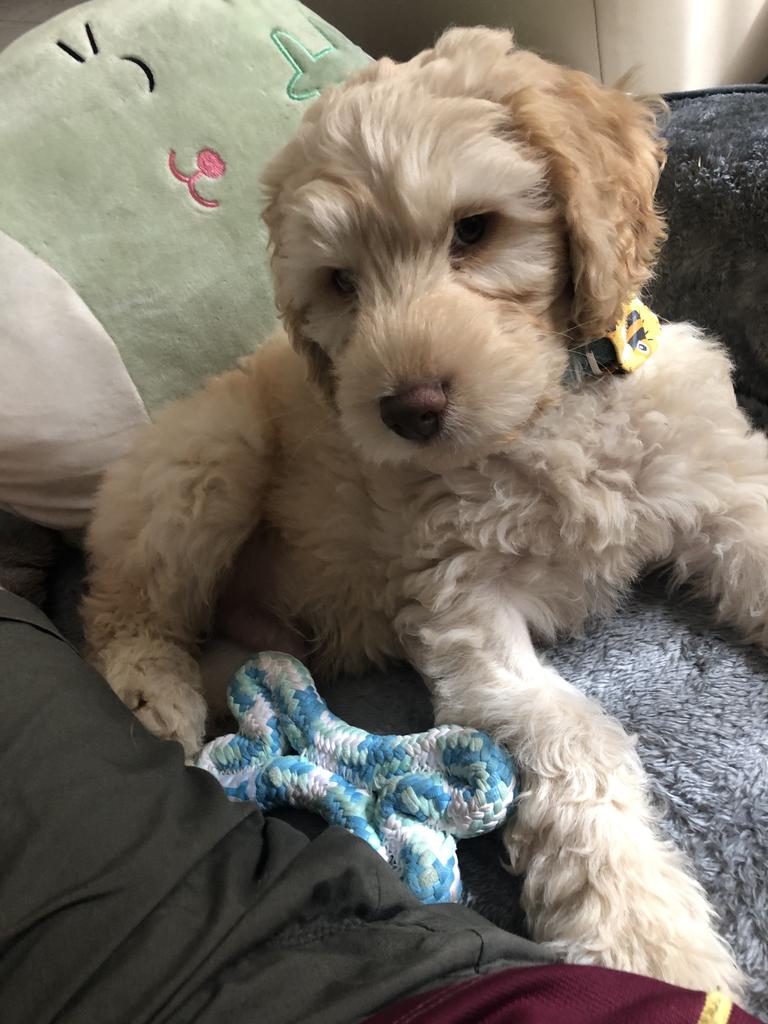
132,256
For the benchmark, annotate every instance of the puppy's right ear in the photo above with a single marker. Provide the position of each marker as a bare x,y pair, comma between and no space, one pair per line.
284,173
289,169
319,364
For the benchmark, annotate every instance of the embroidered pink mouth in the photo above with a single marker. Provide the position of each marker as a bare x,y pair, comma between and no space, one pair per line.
209,165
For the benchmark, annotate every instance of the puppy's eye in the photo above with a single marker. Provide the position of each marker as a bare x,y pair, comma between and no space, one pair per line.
343,282
469,230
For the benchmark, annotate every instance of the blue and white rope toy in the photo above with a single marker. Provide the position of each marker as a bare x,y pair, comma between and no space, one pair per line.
409,796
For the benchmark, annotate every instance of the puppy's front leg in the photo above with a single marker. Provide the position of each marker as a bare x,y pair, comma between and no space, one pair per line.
600,884
169,519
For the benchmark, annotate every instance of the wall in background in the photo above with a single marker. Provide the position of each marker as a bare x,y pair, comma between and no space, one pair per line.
562,30
673,44
17,16
670,44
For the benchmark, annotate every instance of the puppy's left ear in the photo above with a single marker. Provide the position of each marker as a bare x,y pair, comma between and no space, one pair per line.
603,156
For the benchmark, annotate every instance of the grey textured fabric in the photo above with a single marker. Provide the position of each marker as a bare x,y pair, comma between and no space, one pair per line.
696,698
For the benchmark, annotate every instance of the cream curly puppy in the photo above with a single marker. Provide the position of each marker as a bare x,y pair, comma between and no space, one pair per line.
433,482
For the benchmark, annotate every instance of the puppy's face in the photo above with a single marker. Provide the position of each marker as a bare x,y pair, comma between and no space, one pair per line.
429,254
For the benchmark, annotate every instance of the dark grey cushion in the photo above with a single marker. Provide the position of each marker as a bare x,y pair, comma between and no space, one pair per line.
714,267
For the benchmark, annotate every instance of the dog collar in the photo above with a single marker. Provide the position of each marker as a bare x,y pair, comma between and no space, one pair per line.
630,344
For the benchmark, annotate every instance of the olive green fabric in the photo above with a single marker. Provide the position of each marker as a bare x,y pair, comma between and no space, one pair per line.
132,891
92,105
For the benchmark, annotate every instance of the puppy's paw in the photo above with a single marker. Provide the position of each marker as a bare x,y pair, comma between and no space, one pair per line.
168,708
676,966
601,884
160,683
622,898
669,926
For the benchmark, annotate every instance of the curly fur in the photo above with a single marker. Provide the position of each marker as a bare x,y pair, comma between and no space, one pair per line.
535,508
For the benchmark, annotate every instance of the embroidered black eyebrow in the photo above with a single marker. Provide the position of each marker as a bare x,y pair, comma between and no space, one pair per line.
72,53
91,40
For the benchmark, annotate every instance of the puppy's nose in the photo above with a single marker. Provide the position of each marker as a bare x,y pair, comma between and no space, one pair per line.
417,413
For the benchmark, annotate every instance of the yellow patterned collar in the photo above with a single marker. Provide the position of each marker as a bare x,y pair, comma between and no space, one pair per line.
622,350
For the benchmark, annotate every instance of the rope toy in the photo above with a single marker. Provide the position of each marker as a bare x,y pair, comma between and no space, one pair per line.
410,797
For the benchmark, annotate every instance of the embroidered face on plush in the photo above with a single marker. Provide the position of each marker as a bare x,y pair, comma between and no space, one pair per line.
93,47
443,229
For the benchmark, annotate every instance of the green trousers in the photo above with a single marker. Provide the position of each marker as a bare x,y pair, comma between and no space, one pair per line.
132,890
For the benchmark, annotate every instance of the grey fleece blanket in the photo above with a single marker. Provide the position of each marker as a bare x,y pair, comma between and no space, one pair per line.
695,697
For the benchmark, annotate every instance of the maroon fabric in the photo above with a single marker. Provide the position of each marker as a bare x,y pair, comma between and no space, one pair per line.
552,994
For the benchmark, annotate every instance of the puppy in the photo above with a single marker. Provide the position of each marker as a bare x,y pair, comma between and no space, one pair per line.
435,485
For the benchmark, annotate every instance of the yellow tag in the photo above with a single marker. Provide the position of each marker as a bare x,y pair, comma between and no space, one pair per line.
636,336
717,1009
